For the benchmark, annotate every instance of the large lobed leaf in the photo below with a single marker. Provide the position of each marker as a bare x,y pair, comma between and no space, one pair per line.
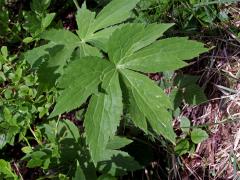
93,33
151,101
137,115
131,48
103,115
79,83
85,18
52,69
132,37
97,29
114,13
164,55
60,36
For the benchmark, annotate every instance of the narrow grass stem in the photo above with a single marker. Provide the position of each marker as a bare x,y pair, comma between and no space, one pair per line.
36,138
76,4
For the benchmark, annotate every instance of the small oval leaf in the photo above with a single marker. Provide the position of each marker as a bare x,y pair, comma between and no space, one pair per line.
198,135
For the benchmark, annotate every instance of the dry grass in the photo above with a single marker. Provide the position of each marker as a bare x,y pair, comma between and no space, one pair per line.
219,156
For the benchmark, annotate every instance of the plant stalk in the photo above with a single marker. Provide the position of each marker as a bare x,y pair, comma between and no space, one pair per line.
76,4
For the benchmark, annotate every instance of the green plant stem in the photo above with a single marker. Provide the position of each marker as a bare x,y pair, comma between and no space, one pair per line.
27,141
76,4
56,128
39,142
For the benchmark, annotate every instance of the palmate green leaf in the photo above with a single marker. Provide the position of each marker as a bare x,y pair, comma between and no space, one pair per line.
115,12
56,37
103,115
137,115
52,69
57,53
61,36
133,109
133,37
85,18
164,55
100,39
65,42
146,87
87,50
97,30
93,33
148,104
151,101
79,83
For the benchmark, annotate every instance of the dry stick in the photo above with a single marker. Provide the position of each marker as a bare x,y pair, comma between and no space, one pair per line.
17,169
225,121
